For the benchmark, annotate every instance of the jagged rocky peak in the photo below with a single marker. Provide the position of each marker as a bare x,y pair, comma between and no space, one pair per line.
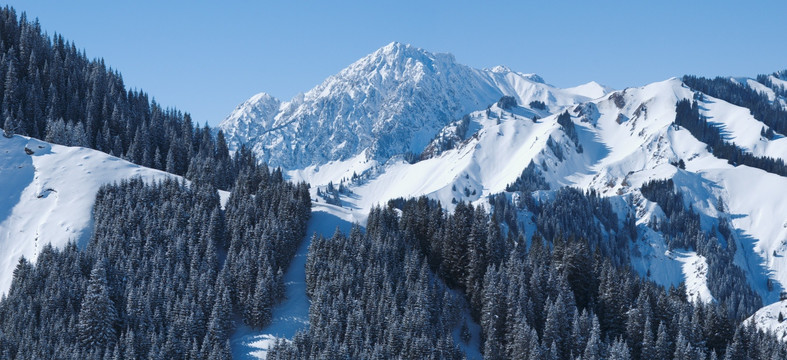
500,69
504,70
264,98
252,117
397,54
390,102
263,105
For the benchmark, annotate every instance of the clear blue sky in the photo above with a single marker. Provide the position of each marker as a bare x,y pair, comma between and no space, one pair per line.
207,57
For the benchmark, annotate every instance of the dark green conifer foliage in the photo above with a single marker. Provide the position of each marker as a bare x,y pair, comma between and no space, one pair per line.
97,316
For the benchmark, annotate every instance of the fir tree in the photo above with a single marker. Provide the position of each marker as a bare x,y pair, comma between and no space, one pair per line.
97,314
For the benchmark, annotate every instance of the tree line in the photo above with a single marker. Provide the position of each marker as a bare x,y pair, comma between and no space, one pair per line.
687,115
770,113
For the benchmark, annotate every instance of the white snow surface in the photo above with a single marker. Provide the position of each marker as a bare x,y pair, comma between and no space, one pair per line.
671,267
767,319
592,90
48,197
740,127
695,271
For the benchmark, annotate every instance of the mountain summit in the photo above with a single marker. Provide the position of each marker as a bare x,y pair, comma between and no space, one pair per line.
392,101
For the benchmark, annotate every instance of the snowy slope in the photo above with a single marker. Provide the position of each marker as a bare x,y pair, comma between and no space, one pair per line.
627,139
504,143
777,84
767,319
48,197
390,102
781,84
591,90
740,126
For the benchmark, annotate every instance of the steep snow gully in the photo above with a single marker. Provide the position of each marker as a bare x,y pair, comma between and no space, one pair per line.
291,315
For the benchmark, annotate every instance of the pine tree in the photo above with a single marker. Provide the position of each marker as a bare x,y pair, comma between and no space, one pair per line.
663,348
648,342
220,321
593,348
9,126
97,315
620,351
736,349
492,315
261,303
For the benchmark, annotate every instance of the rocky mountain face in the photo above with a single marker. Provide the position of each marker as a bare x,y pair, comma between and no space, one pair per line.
390,102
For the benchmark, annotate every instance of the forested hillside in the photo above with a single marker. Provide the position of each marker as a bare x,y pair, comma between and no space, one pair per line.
164,275
168,272
563,298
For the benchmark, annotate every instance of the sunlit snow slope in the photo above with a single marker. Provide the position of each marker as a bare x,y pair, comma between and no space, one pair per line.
767,319
47,196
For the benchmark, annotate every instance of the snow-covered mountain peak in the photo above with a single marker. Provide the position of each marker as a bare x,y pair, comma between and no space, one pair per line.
393,46
253,116
386,69
388,59
591,90
263,97
505,70
500,69
394,62
390,102
396,51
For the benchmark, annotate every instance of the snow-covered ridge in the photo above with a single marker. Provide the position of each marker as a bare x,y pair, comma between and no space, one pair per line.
627,138
591,90
392,101
47,194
